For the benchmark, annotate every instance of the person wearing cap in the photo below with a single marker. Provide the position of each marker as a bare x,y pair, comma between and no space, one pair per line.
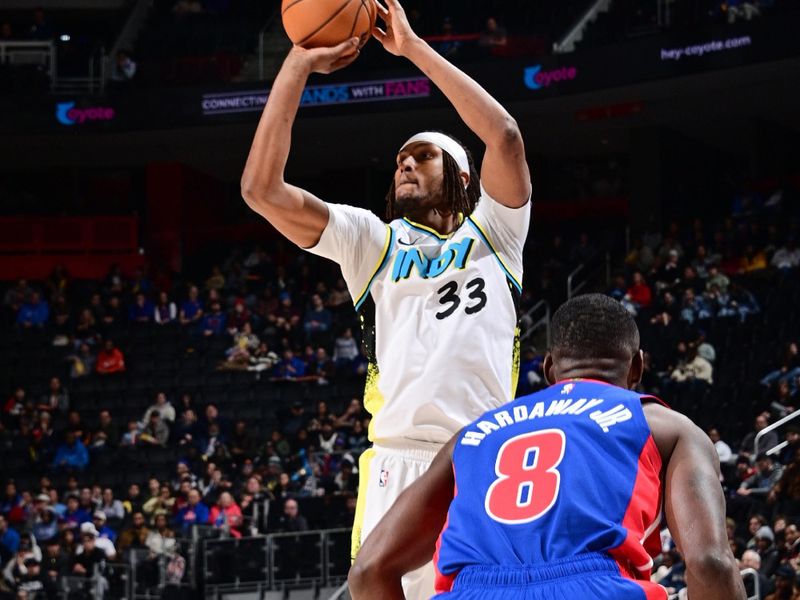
765,546
88,553
785,584
99,520
88,530
436,287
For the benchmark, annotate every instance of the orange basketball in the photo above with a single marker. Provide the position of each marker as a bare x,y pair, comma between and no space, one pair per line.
324,23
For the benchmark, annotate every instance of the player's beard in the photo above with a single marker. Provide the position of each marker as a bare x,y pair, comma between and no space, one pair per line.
417,201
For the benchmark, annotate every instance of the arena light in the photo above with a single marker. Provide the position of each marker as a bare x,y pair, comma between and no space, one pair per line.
65,37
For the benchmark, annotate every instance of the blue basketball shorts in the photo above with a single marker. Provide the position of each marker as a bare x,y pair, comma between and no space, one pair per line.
589,576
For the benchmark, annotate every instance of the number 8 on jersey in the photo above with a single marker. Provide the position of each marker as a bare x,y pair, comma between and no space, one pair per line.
528,482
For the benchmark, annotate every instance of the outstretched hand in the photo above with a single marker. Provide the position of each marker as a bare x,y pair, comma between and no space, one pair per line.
398,35
327,60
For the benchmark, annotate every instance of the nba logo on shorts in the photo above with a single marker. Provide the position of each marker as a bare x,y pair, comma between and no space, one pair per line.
384,478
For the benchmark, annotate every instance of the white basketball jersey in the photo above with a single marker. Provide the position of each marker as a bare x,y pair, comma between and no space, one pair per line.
439,314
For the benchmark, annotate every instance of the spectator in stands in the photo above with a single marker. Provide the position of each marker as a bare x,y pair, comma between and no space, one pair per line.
74,516
124,71
493,35
216,281
765,546
789,369
752,560
110,359
767,441
785,494
785,581
165,312
164,408
447,43
40,29
753,492
71,455
339,297
100,521
290,368
103,543
155,432
227,515
322,367
245,345
107,433
142,310
186,428
789,453
191,309
131,437
345,480
9,540
194,513
718,279
787,257
694,369
111,508
161,539
345,350
213,445
88,556
56,399
741,9
135,536
318,320
34,313
724,451
44,520
238,317
753,260
639,294
114,312
160,503
243,442
292,521
213,323
133,501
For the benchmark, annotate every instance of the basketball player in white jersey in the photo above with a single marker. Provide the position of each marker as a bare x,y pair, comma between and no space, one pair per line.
436,288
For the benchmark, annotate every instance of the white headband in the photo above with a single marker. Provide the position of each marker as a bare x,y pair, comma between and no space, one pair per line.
446,143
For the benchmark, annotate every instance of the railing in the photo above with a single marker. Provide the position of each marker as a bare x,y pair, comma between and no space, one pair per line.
590,270
536,324
575,33
275,561
41,54
93,81
770,428
756,587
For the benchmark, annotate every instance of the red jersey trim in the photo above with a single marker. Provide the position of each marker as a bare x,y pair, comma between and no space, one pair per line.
635,554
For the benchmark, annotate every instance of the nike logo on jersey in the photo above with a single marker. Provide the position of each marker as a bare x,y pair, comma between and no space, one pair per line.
406,261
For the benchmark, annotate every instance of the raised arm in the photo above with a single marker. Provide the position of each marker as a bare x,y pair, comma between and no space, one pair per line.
695,506
296,213
405,539
504,172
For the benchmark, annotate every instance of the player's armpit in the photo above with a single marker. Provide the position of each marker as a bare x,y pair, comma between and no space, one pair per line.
405,538
297,214
695,509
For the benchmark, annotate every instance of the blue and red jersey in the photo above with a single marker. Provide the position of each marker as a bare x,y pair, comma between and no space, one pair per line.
568,470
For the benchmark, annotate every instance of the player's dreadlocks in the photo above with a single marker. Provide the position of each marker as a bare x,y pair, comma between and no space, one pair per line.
462,201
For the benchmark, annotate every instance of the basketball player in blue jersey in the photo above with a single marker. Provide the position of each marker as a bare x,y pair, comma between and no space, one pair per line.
436,288
559,495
